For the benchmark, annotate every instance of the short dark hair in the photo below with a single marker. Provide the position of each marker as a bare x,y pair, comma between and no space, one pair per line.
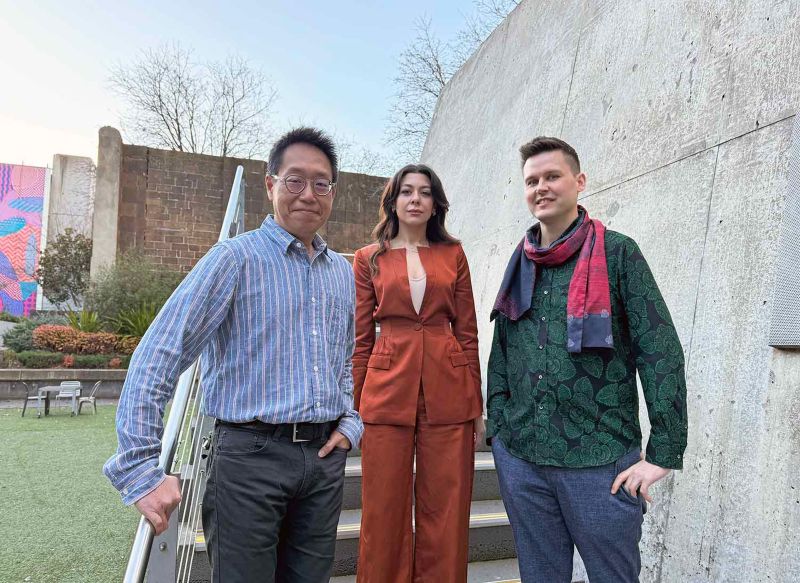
544,144
303,135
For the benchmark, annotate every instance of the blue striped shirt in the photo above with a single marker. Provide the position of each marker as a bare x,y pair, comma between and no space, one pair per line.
275,329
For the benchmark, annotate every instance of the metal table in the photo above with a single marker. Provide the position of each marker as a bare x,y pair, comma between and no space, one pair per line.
44,393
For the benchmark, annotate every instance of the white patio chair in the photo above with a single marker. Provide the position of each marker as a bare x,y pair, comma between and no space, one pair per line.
70,390
91,399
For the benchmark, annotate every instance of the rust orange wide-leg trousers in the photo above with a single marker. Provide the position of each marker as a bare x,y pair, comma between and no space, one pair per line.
389,551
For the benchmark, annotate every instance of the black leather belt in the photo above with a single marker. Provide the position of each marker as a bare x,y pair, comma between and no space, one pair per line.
295,432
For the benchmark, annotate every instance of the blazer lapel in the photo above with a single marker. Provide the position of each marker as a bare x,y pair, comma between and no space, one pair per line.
400,266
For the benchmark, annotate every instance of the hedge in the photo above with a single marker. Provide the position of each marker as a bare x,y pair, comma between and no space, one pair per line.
44,359
40,359
68,339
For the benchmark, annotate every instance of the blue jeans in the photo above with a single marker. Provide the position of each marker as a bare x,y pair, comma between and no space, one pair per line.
551,509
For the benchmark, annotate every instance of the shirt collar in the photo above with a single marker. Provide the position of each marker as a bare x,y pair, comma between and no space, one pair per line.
286,240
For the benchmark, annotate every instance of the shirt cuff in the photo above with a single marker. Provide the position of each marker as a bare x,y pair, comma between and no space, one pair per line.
137,483
667,460
352,428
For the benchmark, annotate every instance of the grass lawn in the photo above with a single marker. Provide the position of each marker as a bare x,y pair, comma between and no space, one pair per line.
60,519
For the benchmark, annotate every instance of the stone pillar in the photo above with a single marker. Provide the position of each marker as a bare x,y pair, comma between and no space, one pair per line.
106,201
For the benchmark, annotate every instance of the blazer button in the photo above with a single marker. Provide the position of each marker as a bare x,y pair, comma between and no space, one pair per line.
418,326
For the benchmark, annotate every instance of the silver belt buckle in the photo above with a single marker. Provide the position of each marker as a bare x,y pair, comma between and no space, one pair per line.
295,439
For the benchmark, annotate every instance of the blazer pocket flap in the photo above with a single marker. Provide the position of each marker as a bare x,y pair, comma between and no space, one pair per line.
459,359
381,361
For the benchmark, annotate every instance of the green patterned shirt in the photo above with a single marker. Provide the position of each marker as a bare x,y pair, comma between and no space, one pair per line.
579,410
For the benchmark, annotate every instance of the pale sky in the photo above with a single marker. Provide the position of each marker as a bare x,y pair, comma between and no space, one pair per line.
332,62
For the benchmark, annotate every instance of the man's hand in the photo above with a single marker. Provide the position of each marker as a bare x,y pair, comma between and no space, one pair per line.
479,430
640,476
159,504
335,440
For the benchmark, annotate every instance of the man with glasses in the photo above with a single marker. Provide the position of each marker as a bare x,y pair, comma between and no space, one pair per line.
271,312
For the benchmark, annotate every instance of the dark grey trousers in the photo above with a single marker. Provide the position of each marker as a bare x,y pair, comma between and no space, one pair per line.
271,508
553,509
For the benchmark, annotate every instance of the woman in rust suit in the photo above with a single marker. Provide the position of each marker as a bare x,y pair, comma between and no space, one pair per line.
417,387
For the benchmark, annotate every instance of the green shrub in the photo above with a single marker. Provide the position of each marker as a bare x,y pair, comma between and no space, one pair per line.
40,359
8,358
85,321
6,317
128,284
135,322
20,337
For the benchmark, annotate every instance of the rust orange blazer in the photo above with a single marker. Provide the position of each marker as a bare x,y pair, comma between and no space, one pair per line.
438,347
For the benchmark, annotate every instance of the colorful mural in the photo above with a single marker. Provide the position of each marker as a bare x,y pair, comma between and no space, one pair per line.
21,201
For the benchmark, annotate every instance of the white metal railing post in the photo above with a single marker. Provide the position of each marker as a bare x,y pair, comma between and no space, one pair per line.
232,224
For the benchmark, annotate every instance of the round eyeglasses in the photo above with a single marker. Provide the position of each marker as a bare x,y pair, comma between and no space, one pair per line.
297,184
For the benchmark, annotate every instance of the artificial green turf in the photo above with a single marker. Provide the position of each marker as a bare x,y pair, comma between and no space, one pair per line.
60,519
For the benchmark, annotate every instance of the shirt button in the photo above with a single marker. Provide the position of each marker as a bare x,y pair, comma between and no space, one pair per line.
540,376
317,404
541,347
316,369
546,292
298,244
418,326
313,332
313,300
541,407
542,318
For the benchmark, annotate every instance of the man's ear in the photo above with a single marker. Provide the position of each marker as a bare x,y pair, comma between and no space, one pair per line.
269,182
581,178
333,192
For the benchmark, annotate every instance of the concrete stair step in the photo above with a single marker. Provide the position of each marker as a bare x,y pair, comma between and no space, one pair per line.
490,539
502,571
485,486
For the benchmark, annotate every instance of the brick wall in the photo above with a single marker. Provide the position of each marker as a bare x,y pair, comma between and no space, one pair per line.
172,204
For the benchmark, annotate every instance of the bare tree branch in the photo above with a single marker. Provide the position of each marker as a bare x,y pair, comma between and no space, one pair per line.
173,102
426,66
361,159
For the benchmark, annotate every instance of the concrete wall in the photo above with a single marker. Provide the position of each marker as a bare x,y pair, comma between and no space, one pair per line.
71,203
682,113
170,205
11,387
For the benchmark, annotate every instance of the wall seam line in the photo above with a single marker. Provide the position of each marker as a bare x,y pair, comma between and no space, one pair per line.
571,78
686,157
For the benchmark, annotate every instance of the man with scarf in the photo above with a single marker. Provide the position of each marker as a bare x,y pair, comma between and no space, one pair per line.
577,315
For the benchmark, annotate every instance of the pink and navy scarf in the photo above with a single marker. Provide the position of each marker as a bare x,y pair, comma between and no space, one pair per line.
589,297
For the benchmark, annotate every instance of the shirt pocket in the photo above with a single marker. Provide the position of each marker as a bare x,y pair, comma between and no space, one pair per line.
336,319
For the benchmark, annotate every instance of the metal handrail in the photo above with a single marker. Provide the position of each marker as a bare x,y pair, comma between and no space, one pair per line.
232,224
